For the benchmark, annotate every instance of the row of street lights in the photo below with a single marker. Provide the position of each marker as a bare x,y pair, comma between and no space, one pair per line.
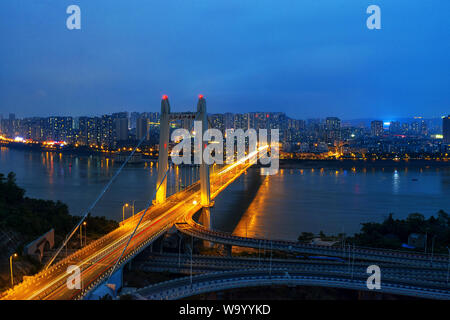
84,224
14,255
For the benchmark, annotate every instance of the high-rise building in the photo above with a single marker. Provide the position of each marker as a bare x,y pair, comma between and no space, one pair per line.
107,131
59,129
153,117
89,131
133,118
295,124
415,127
333,129
376,128
121,129
333,123
33,128
423,128
405,128
395,127
446,129
120,126
217,121
142,128
228,120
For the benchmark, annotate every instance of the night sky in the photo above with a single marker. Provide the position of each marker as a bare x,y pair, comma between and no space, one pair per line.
309,58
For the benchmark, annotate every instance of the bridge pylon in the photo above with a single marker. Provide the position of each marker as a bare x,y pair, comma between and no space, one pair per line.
204,168
163,158
163,163
164,134
205,216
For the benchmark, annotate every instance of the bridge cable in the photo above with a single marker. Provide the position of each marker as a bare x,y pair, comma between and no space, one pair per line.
92,206
140,220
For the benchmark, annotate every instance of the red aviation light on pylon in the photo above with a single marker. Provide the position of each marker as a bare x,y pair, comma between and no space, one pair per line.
165,97
200,96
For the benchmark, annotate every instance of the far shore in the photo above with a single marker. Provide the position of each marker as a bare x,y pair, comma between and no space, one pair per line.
284,163
348,164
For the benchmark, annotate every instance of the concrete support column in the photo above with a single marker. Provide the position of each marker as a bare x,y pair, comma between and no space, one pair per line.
228,249
205,217
205,220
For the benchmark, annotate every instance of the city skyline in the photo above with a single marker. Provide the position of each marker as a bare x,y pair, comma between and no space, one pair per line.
412,117
303,59
330,137
219,151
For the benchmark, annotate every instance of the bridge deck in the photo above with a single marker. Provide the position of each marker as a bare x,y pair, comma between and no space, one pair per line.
216,281
189,227
97,259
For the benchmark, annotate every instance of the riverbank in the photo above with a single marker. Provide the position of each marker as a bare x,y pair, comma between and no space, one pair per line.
67,150
24,219
349,164
284,163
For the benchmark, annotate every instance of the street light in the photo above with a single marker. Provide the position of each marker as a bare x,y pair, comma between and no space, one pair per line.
432,249
259,256
271,247
179,253
14,255
448,267
192,249
81,235
123,211
85,232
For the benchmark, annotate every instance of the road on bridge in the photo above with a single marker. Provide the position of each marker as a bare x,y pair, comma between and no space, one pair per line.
97,259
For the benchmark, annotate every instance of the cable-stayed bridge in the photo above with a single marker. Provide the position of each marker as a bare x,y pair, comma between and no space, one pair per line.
98,260
407,273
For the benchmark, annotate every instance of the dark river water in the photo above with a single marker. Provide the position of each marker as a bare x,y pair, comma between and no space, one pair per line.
278,207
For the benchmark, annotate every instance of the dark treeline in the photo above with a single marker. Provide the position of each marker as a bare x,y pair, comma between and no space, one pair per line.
393,233
33,217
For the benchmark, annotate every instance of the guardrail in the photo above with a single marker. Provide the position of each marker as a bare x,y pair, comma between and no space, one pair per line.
190,227
181,288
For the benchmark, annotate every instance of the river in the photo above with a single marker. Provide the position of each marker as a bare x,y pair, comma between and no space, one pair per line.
278,207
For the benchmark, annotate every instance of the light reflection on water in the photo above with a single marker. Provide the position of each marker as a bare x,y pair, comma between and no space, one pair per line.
337,201
280,206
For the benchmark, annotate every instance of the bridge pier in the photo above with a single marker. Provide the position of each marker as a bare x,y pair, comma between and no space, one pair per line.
372,295
205,220
157,245
228,249
111,289
205,217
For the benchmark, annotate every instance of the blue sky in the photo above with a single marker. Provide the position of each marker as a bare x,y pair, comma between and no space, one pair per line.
310,58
